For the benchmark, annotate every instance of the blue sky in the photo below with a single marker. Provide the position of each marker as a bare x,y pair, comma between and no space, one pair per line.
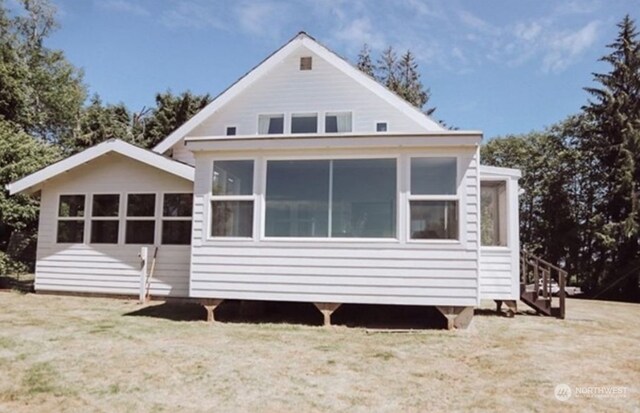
498,66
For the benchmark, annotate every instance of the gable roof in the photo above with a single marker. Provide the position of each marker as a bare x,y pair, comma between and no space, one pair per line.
137,153
300,40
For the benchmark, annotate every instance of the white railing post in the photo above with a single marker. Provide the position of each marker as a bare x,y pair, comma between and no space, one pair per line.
144,256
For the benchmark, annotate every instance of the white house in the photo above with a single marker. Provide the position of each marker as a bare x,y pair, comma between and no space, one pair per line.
306,180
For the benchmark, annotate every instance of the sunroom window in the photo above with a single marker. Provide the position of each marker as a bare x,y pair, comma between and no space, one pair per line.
140,223
232,199
337,122
345,198
433,201
104,219
304,123
71,219
177,211
270,124
493,209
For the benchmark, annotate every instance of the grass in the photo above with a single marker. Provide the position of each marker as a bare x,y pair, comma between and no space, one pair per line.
86,354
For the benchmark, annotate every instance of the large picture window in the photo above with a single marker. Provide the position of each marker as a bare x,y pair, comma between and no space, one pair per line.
140,223
177,210
232,199
347,198
433,201
71,219
105,219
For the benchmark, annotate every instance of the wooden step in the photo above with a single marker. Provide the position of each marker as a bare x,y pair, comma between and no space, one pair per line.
540,304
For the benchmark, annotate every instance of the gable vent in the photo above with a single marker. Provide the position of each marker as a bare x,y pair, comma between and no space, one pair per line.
305,63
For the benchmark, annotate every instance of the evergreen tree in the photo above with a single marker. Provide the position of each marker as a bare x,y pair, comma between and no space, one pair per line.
364,62
612,138
387,69
409,85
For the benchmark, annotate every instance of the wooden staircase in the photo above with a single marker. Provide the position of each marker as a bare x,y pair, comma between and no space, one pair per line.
542,285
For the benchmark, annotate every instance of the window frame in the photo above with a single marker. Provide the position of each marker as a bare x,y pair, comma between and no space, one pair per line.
127,218
304,115
507,214
85,218
263,210
212,198
410,197
333,113
285,124
227,127
375,126
118,218
162,217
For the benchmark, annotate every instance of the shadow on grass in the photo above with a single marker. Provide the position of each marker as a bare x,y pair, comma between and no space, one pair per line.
22,283
260,312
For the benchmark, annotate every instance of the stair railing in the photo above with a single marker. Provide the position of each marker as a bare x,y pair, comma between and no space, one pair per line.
542,273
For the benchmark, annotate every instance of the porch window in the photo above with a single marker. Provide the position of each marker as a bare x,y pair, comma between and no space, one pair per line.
433,200
140,223
345,198
71,219
232,199
104,219
270,124
337,122
493,199
177,211
307,123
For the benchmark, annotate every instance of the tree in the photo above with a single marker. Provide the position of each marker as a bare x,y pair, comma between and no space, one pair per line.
20,155
170,113
409,85
364,62
611,136
401,76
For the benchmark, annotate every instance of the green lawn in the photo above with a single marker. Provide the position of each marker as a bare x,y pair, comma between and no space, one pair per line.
85,354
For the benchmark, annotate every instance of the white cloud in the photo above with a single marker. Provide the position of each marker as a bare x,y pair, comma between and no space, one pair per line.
261,18
195,15
565,47
359,31
123,6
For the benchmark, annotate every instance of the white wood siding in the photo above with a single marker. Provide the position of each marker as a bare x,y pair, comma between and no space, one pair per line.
377,272
500,266
286,89
112,269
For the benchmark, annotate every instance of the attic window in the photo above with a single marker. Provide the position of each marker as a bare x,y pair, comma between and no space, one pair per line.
305,63
231,130
381,127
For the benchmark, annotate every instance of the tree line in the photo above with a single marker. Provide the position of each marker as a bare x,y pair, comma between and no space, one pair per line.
46,114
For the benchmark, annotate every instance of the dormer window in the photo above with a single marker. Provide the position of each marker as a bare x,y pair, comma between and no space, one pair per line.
270,124
305,63
337,122
304,123
381,127
231,130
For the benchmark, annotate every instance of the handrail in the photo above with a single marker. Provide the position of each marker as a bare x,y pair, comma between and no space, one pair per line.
544,268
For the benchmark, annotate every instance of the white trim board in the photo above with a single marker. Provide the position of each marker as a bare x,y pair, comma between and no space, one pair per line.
30,182
300,40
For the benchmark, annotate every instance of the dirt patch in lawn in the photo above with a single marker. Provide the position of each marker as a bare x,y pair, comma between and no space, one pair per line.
92,354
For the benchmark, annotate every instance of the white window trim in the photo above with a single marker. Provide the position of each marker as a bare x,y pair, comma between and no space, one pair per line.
212,198
323,122
284,122
263,209
410,197
82,218
375,126
162,218
126,217
118,218
302,115
507,212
